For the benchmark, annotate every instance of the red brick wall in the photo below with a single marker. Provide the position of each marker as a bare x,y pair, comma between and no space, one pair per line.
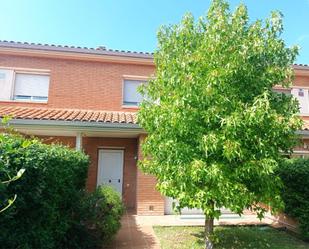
301,81
80,84
147,196
68,141
91,145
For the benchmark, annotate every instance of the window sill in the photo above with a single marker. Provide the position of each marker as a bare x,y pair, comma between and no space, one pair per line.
24,101
130,107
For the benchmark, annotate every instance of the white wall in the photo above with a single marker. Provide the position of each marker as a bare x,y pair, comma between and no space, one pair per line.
303,99
6,84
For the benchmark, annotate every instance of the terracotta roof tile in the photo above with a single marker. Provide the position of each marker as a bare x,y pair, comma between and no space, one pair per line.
108,117
31,113
94,116
101,117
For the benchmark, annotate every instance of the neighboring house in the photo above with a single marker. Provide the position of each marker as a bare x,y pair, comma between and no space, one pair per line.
87,99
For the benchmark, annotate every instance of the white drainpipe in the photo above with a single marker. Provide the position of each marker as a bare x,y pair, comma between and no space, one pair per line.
79,141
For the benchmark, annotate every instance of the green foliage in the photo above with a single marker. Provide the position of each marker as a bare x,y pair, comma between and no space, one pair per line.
216,130
5,182
295,194
100,213
48,193
9,178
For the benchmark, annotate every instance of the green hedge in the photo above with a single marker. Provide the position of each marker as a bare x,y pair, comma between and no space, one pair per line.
101,211
295,176
48,194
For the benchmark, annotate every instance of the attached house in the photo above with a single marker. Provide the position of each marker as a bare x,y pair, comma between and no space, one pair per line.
87,99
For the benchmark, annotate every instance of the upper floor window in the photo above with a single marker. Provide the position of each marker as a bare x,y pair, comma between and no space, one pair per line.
23,86
33,87
131,96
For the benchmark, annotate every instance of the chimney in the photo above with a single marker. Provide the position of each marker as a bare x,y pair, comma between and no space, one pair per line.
101,48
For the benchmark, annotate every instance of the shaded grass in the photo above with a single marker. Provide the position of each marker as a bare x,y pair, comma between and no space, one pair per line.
229,237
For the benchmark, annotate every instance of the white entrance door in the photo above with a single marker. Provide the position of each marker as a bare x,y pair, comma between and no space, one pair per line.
110,169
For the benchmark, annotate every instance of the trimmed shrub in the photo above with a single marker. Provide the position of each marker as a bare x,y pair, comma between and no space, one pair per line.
101,212
48,194
295,177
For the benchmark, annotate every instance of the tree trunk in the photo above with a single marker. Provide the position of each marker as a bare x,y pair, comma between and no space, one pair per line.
209,229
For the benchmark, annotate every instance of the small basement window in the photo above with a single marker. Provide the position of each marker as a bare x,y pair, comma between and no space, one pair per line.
31,87
131,96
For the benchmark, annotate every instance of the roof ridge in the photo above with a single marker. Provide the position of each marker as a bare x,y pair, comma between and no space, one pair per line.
100,49
301,64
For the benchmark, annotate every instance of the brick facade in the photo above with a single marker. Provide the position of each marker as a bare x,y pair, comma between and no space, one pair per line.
149,200
67,141
80,84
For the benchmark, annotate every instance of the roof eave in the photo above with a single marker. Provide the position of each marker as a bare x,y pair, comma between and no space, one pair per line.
80,125
303,133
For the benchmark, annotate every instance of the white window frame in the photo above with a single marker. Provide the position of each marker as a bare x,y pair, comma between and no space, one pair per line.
32,98
30,71
142,79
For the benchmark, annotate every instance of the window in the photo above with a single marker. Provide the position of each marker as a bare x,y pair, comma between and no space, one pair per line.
23,85
31,87
301,93
131,96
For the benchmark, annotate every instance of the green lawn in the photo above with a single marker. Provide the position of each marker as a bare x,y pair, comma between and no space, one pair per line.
230,237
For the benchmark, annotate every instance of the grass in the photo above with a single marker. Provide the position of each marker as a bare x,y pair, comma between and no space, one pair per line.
230,237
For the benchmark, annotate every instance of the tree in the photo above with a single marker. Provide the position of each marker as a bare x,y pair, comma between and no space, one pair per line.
216,129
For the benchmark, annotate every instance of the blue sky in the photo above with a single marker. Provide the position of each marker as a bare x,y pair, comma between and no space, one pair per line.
129,24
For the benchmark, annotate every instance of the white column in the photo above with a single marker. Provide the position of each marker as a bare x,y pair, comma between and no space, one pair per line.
79,141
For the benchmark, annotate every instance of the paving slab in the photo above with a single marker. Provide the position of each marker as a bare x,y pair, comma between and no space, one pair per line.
134,235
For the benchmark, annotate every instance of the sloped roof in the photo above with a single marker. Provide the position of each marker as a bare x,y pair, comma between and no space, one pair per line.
31,113
79,115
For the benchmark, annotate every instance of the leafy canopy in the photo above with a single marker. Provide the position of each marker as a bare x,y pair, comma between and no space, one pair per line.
216,130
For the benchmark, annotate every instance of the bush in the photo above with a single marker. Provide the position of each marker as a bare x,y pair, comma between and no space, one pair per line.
101,212
295,176
48,194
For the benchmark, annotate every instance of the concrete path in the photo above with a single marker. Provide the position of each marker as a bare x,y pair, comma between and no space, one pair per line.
134,235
